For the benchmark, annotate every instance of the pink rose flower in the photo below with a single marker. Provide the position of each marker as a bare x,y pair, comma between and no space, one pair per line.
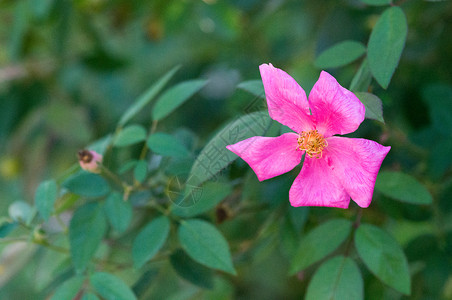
89,160
335,168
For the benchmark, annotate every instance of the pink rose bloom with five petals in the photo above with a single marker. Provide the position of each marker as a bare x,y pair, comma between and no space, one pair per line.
335,168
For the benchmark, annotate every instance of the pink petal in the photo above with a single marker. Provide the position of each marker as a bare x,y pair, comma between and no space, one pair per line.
335,109
317,186
286,100
355,162
269,156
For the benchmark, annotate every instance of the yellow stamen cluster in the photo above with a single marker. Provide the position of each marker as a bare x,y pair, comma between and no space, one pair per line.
312,142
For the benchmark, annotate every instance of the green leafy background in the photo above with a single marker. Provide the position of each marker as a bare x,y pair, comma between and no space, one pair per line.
159,88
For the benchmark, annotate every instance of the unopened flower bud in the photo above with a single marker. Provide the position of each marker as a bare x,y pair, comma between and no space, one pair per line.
89,160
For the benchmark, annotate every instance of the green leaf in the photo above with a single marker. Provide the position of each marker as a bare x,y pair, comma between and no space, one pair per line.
21,21
130,135
386,44
119,212
340,54
377,2
254,87
140,171
144,282
101,145
86,230
69,289
149,241
6,228
383,256
45,197
41,9
362,78
374,107
209,195
402,187
337,279
206,245
215,157
147,97
319,243
87,185
90,296
167,145
175,97
21,211
191,270
111,287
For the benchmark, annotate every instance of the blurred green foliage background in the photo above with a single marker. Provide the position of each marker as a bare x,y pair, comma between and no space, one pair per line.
69,69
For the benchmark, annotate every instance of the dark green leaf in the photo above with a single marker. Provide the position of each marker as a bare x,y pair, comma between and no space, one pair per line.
45,197
386,44
86,230
402,187
383,256
140,171
374,107
254,87
149,241
377,2
191,270
337,279
127,166
207,197
87,185
144,282
147,97
18,29
119,212
167,145
6,228
340,54
175,97
69,289
111,287
215,157
320,242
130,135
206,245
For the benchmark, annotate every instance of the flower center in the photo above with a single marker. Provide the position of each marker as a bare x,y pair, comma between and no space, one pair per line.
312,142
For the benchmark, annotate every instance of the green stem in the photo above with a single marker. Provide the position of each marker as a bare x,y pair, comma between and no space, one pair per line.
355,226
145,148
112,176
16,239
